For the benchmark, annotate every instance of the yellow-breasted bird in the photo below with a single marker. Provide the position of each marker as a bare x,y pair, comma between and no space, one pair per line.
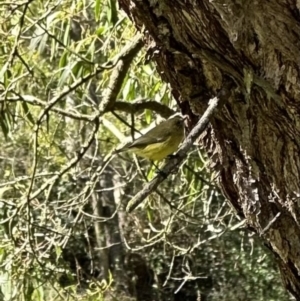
159,142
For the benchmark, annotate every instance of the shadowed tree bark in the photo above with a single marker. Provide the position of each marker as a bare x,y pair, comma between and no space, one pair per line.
254,139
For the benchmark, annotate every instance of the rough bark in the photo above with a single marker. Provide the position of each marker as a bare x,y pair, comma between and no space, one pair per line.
253,141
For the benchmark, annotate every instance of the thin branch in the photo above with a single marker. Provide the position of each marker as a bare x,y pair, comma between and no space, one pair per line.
134,107
143,104
37,102
119,73
199,177
23,178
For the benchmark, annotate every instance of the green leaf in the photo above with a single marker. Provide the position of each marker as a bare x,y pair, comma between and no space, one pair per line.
148,70
53,18
74,69
126,89
3,71
101,30
63,60
27,112
3,124
43,43
91,50
64,76
67,34
148,116
97,10
113,13
77,70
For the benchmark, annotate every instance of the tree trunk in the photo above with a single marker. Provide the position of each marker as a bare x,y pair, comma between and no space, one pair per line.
254,140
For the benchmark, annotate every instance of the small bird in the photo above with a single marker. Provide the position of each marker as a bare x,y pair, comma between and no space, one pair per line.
159,142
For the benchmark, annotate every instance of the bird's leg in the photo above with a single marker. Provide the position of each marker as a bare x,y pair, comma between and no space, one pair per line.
163,174
172,156
159,171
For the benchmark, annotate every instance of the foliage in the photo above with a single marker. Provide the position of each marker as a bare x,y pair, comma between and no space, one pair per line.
59,195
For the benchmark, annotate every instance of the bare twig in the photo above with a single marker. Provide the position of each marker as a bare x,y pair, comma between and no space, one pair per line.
119,73
134,107
38,102
143,104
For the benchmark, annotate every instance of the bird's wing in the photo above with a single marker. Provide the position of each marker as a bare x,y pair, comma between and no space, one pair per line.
149,138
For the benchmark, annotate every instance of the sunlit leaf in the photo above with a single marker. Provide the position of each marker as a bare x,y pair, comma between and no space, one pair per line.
66,33
2,71
126,89
42,43
63,60
77,70
148,70
101,30
148,116
97,9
